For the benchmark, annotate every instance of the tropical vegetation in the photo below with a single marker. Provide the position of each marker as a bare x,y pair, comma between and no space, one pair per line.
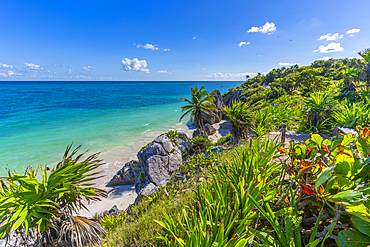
200,101
256,192
40,206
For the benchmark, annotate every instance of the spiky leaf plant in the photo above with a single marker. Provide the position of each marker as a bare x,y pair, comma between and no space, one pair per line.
39,205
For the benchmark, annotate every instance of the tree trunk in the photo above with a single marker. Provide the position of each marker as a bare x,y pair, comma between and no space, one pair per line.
199,120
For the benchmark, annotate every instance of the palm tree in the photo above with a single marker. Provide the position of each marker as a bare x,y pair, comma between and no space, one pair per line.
200,101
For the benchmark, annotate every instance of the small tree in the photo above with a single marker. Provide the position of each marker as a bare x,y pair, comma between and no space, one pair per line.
200,101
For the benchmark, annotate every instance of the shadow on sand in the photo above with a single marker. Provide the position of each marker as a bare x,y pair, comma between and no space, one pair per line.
118,190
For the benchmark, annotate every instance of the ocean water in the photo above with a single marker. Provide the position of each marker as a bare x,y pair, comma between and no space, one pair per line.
39,119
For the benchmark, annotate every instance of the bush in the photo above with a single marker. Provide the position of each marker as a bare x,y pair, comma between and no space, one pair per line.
201,144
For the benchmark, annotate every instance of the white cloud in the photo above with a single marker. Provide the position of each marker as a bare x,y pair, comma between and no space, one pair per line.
87,68
166,49
195,37
352,31
134,65
56,65
162,71
267,28
7,73
107,77
82,77
332,47
324,58
243,43
230,76
148,46
288,64
5,66
329,37
32,67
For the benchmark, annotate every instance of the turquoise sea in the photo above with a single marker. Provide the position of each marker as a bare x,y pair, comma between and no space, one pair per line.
39,119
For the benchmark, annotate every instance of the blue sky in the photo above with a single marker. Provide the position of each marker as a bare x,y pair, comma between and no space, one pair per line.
174,40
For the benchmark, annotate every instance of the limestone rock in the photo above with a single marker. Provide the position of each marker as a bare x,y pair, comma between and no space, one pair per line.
231,97
209,129
216,116
160,159
183,135
128,173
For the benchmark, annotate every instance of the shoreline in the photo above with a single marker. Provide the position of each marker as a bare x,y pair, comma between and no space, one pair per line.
122,196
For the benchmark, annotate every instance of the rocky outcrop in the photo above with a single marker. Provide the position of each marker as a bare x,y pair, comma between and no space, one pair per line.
209,129
216,116
128,174
160,159
232,96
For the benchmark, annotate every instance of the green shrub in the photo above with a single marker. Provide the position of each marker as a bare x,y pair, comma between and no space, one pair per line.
45,199
172,134
201,144
223,140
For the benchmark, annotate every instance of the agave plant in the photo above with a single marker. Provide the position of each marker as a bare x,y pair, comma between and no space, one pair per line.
40,204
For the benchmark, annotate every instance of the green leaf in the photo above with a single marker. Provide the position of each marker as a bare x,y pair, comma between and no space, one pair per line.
265,238
343,164
324,175
361,225
347,139
314,231
328,234
317,139
348,238
313,244
359,210
242,243
349,196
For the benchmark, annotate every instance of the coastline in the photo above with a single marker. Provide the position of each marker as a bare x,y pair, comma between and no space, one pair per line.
122,196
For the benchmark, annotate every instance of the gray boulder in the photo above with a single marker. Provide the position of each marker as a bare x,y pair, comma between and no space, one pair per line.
216,116
160,159
147,189
128,174
231,97
209,129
